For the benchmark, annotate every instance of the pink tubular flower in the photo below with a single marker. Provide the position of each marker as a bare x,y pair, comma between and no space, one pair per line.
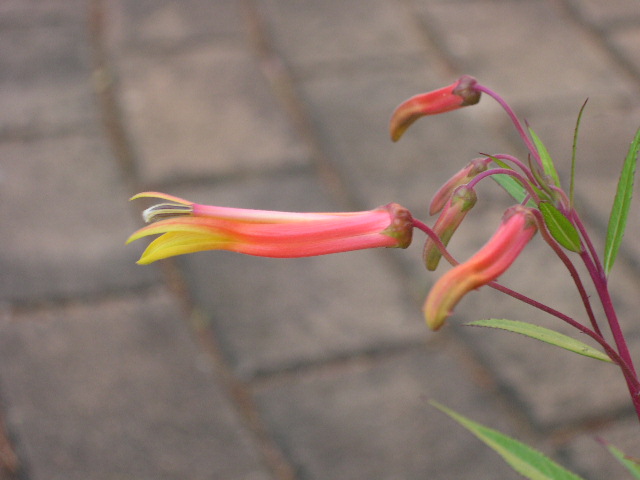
517,228
462,177
187,227
460,202
452,97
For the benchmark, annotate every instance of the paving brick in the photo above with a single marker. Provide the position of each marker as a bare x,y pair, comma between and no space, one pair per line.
603,14
44,70
272,314
625,41
118,390
311,34
30,12
166,25
334,354
371,419
65,218
206,112
525,50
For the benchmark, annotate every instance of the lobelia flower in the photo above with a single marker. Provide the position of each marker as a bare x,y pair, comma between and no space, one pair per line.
188,227
460,202
457,95
517,228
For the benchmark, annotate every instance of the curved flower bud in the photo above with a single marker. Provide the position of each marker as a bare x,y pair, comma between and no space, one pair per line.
476,166
460,202
457,95
187,227
517,228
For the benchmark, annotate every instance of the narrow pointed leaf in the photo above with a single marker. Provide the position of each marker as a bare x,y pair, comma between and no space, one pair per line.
544,335
573,153
631,464
547,163
523,459
621,205
560,227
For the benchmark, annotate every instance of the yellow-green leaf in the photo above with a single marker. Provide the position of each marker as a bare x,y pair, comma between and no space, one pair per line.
544,335
525,460
621,205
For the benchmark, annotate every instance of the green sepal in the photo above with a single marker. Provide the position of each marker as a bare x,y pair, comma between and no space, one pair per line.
560,227
547,163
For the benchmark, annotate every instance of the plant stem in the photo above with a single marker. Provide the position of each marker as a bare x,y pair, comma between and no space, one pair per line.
626,369
572,271
516,121
601,285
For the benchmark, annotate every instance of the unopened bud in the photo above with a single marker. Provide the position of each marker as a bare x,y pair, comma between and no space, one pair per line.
462,177
461,201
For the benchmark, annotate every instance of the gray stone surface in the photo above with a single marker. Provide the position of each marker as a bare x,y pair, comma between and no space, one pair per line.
204,112
63,207
250,368
44,74
535,44
166,25
371,419
117,389
312,35
606,14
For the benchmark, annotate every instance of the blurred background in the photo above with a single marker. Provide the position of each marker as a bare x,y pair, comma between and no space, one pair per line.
222,366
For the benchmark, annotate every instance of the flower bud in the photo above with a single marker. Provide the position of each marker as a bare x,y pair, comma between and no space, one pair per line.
462,177
517,228
461,201
458,95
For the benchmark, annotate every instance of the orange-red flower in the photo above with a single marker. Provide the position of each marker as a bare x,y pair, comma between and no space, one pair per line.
517,228
457,95
187,227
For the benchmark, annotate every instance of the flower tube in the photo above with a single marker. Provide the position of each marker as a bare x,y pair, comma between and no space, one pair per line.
457,95
517,228
187,227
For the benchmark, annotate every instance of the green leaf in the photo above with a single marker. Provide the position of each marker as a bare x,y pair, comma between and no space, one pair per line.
621,205
511,185
633,465
544,335
547,163
560,227
523,459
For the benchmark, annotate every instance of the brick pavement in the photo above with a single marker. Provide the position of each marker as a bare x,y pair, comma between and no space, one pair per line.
219,366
